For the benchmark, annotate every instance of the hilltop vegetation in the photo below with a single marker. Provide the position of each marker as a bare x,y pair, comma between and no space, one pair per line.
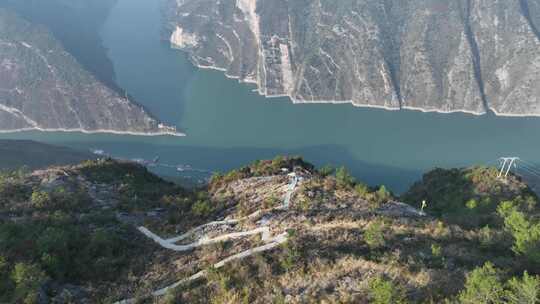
470,196
69,235
63,227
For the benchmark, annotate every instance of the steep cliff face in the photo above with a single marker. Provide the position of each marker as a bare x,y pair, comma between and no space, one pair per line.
76,24
431,55
44,87
509,54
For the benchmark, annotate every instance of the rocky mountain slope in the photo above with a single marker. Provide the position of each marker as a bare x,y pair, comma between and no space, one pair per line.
432,55
275,231
76,24
43,87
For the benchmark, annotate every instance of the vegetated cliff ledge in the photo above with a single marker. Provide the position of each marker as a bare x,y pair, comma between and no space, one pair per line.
42,87
458,56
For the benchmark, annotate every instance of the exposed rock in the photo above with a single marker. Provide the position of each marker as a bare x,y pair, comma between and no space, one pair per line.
180,39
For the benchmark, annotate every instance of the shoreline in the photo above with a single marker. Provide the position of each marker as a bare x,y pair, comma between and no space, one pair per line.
295,101
84,131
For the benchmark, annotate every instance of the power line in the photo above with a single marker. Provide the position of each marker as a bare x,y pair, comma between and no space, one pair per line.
531,165
529,171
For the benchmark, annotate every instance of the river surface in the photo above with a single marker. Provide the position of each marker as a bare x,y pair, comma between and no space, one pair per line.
229,125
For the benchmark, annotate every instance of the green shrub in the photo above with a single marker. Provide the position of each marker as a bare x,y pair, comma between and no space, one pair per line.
278,162
436,250
374,235
5,281
526,234
383,195
216,178
326,171
289,258
13,191
52,246
344,179
28,279
382,291
291,254
362,189
103,256
523,291
271,202
40,199
483,286
202,208
471,204
3,265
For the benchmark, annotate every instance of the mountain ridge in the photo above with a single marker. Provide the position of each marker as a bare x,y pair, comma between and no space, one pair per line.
274,231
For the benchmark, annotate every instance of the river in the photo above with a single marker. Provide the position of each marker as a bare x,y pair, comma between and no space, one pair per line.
228,124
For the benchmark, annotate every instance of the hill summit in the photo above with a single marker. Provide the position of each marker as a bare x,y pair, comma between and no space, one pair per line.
276,231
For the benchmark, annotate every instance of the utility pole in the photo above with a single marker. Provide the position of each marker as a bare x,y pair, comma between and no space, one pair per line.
506,164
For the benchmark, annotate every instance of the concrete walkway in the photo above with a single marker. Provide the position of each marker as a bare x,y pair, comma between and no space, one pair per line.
271,242
290,191
264,231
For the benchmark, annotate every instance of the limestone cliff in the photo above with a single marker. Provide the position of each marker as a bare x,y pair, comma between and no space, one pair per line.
431,55
43,87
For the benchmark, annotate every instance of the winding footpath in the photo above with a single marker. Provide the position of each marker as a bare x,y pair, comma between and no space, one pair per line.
271,242
264,231
290,191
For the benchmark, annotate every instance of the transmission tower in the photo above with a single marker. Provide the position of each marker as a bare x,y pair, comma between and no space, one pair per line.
506,164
